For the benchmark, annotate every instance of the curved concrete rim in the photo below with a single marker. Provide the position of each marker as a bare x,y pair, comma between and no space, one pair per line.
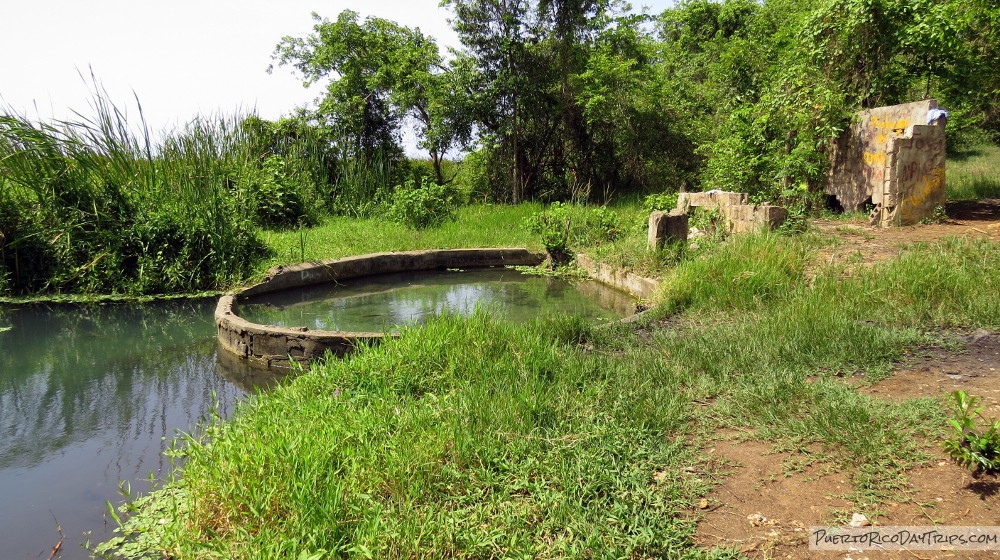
271,345
277,346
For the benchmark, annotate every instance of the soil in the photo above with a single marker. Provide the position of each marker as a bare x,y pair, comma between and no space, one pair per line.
856,242
768,500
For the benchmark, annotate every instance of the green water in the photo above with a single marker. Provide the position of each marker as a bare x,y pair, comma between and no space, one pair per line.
90,396
386,302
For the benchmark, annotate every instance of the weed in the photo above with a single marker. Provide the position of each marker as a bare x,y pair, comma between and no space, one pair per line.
971,446
663,202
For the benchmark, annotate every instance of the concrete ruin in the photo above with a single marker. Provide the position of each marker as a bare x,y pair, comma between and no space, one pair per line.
739,215
667,227
892,160
269,345
272,345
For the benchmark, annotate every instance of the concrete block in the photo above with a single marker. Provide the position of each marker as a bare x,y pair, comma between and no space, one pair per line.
667,227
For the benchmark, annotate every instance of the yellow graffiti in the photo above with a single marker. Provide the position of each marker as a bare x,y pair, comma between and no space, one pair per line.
874,158
883,123
927,185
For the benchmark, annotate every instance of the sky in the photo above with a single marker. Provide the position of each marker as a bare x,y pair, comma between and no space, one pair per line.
180,58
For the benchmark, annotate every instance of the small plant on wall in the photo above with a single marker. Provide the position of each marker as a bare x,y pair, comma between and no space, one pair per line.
974,447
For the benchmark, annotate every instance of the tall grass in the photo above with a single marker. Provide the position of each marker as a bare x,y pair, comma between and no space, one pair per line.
465,438
100,205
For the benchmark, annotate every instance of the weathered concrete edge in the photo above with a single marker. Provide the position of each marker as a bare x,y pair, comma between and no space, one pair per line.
272,345
639,286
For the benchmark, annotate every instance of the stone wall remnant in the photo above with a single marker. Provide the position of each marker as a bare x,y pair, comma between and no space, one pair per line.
893,160
667,227
740,217
272,345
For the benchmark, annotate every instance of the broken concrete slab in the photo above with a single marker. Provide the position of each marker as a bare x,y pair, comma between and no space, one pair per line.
740,217
667,228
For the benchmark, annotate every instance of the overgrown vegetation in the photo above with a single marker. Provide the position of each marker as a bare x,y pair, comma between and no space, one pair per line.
581,100
474,437
576,101
92,207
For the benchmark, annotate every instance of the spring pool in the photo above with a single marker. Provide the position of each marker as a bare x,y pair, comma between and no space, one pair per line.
386,302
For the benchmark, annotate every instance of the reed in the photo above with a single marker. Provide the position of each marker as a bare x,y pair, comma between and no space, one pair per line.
99,205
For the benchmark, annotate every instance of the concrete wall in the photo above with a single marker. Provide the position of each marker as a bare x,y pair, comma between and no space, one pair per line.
639,286
891,157
740,216
271,345
914,186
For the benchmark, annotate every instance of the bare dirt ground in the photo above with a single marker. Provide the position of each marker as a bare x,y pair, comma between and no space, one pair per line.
766,504
858,242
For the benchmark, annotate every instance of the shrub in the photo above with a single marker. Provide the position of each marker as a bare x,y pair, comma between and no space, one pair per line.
553,225
664,202
563,226
419,205
275,197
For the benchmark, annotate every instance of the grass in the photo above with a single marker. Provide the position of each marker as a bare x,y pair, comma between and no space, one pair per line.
464,438
102,205
94,206
478,225
477,438
973,174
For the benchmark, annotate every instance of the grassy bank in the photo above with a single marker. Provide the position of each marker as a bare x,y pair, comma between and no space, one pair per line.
476,438
477,225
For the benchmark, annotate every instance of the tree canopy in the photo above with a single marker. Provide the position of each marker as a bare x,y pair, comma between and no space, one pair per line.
582,99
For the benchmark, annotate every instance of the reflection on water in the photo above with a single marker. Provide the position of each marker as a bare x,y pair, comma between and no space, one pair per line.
92,395
382,303
87,397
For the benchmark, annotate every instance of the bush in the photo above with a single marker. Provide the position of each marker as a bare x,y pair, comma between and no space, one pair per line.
419,205
553,225
564,225
275,198
664,202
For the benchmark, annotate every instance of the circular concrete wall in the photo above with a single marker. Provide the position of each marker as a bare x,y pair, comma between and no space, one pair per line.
272,345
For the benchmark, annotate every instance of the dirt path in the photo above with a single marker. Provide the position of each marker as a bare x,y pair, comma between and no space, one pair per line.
766,504
857,242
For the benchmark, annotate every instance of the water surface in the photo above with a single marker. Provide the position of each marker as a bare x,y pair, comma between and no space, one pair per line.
89,396
93,395
385,302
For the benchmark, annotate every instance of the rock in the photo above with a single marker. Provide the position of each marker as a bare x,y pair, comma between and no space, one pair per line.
859,520
978,335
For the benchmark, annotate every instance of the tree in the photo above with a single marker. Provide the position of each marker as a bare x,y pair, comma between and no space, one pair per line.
380,74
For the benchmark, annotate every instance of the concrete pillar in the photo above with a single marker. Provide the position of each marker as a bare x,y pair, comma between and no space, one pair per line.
666,227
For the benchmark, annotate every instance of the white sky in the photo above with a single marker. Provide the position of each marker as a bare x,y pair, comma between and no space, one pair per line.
182,58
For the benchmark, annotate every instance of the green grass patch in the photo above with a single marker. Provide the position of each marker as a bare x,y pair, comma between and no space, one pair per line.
478,225
974,174
465,438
